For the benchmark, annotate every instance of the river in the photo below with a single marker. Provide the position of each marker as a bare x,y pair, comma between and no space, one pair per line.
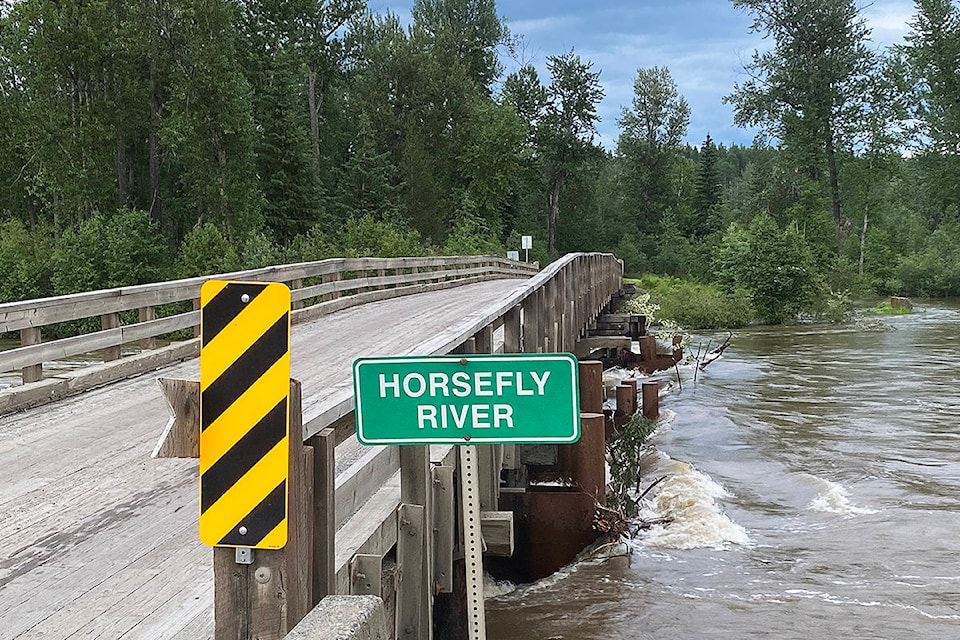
814,474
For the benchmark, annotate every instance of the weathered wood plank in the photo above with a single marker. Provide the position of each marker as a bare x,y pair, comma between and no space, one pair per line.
444,529
372,530
32,373
181,436
365,575
411,597
324,515
497,530
363,479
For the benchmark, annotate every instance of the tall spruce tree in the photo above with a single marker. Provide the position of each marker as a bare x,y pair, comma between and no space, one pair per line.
709,192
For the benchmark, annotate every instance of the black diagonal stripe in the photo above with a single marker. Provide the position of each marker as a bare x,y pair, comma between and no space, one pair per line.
225,306
245,370
240,458
262,520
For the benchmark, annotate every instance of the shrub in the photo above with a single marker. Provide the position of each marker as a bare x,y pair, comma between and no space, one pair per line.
25,261
774,265
367,237
697,306
205,251
887,309
105,252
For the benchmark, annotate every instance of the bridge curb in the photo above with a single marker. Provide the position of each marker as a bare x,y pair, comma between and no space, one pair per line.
343,618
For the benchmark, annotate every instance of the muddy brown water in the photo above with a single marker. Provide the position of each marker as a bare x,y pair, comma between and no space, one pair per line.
814,474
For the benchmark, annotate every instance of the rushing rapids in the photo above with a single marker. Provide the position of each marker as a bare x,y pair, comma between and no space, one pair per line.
813,476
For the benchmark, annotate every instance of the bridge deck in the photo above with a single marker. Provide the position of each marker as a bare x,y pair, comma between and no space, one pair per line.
99,540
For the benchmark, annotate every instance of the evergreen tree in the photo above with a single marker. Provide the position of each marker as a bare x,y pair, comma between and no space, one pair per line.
208,123
708,196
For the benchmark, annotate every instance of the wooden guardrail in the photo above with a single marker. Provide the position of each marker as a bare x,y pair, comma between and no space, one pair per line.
345,524
317,288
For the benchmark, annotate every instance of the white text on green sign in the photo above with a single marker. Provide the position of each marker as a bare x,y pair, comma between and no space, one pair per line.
476,399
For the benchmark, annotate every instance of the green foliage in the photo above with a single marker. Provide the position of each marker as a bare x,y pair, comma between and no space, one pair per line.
313,245
935,269
839,306
885,308
24,261
623,455
774,265
205,251
261,132
259,251
470,235
697,306
109,251
365,236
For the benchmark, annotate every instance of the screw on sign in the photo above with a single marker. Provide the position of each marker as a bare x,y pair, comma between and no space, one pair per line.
244,413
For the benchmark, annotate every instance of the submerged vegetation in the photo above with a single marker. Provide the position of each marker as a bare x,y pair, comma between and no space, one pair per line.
887,309
623,455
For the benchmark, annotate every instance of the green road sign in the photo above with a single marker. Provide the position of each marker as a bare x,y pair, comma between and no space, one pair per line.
467,399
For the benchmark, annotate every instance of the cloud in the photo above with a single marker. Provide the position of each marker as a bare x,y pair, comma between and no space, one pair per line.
547,24
888,20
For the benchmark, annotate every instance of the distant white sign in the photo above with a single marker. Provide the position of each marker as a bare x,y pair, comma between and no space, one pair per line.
526,242
513,255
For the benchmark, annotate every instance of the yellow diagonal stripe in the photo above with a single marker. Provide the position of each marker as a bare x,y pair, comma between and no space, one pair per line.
247,411
210,289
276,538
239,335
223,515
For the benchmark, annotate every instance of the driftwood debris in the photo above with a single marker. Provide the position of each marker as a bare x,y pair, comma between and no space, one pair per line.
716,353
615,523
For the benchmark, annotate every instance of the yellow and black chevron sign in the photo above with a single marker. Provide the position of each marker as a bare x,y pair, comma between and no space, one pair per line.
244,416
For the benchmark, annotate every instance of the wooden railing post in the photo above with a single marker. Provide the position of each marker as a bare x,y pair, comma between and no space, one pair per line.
415,528
30,336
324,515
196,327
296,283
266,599
146,314
110,321
532,312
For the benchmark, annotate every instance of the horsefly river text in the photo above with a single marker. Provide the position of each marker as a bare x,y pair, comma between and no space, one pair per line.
503,385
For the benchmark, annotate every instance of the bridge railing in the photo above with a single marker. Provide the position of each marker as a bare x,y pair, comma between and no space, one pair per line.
317,288
353,508
550,312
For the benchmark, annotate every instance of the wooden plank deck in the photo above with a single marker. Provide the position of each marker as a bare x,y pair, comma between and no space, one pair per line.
99,540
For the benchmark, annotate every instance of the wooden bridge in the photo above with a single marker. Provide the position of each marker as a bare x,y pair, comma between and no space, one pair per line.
100,539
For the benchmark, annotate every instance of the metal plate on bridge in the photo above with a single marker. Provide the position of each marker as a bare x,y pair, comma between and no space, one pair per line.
476,399
244,413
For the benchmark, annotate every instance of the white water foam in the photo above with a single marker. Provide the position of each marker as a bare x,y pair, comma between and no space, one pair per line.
495,588
833,497
689,497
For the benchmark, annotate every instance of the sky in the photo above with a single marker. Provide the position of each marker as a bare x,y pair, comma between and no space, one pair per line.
703,43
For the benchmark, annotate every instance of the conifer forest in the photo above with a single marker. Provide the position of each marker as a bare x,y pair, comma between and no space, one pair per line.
143,140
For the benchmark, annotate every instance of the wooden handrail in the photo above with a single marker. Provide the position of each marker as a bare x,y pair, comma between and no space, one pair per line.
395,276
